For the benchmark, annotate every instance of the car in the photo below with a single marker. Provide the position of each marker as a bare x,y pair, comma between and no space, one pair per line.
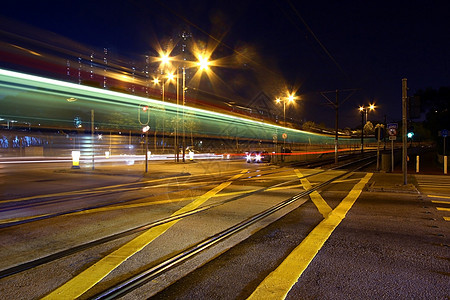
257,156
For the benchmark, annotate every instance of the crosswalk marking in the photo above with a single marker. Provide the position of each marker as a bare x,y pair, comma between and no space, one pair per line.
436,187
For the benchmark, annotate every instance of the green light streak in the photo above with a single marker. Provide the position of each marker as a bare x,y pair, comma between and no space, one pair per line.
35,98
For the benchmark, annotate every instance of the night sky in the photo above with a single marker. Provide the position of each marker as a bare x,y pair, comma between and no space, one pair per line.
312,46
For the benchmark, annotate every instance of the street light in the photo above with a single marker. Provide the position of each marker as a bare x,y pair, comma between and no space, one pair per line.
364,110
203,65
290,99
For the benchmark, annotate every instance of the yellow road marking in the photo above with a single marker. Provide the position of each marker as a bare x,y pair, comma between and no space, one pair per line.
136,205
103,188
6,221
440,202
79,284
285,187
346,180
84,191
443,208
447,218
278,283
437,196
318,201
100,209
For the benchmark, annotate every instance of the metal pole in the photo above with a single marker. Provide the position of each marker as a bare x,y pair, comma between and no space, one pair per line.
164,116
444,147
362,132
177,155
384,135
92,138
404,130
378,149
284,140
146,151
392,156
336,142
184,100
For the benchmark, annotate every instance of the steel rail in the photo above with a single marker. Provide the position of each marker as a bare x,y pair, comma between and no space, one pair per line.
64,253
142,278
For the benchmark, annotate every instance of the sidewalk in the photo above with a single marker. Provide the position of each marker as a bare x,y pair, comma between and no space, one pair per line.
393,182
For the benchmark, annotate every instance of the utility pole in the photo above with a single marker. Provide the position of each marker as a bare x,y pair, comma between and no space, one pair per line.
336,141
92,139
404,130
336,108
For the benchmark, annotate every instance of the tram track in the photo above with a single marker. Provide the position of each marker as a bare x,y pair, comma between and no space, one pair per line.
145,276
104,191
55,256
189,252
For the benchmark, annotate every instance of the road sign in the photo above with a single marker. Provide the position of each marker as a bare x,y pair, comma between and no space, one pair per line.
392,129
284,136
392,138
444,132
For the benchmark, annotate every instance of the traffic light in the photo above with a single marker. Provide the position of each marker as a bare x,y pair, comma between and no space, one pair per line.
410,133
143,114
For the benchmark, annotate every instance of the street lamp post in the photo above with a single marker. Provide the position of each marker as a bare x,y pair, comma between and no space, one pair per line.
364,112
203,64
289,99
165,60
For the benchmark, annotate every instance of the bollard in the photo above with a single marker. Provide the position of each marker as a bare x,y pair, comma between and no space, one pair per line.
417,163
445,164
75,159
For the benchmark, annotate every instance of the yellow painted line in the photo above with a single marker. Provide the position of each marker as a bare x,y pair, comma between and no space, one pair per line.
101,209
285,187
81,283
278,283
112,208
447,218
437,196
137,205
346,180
84,191
318,201
443,208
6,221
234,193
440,202
103,188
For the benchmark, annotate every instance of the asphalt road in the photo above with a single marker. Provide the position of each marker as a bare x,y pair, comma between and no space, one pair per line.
390,246
392,243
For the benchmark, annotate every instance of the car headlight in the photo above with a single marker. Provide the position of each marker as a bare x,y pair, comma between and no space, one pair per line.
258,157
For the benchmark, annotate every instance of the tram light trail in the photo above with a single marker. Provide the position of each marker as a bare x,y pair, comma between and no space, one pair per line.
36,99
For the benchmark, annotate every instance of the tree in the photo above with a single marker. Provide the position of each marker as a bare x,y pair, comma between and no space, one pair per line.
435,103
368,128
